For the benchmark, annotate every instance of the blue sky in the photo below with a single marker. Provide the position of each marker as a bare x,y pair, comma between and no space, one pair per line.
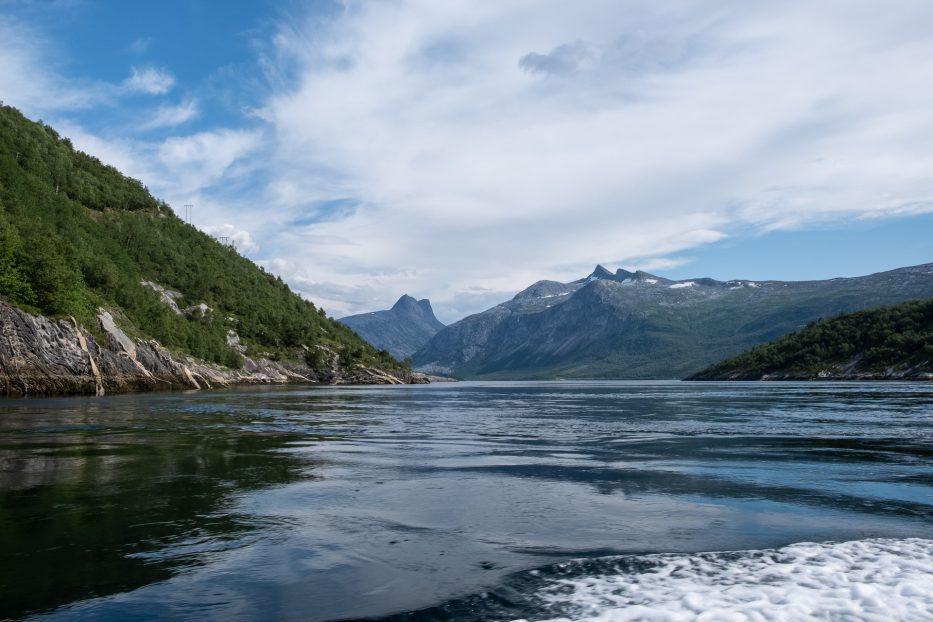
463,150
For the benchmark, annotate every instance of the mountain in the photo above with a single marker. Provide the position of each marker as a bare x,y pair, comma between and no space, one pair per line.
401,330
893,342
91,264
637,325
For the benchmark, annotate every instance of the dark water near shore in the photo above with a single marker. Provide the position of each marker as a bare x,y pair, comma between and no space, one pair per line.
455,501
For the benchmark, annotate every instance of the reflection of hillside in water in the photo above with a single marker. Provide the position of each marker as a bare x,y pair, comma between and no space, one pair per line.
100,497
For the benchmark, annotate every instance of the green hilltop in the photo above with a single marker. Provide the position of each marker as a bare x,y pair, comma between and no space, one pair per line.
76,235
888,342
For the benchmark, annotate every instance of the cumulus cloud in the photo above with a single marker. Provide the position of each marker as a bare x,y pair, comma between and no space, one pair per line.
149,80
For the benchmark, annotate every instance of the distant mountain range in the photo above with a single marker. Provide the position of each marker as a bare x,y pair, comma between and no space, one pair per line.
401,330
637,325
893,342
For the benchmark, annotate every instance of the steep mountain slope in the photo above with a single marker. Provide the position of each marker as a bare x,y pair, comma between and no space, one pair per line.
636,325
401,330
890,342
76,237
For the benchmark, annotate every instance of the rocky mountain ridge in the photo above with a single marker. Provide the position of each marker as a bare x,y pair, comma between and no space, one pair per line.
638,325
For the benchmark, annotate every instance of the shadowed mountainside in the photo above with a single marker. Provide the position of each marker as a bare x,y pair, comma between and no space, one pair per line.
637,325
401,330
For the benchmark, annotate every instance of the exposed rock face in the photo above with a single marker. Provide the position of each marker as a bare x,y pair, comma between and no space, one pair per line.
401,330
40,356
170,298
167,296
198,310
233,340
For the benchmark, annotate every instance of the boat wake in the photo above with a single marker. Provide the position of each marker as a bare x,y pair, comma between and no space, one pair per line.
882,579
870,580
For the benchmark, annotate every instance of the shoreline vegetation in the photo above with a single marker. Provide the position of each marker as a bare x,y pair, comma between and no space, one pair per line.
106,289
887,343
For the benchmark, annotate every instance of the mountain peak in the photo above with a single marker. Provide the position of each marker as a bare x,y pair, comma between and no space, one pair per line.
419,310
401,330
405,302
600,273
425,306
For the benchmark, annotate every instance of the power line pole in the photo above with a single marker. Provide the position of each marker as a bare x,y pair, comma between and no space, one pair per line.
188,212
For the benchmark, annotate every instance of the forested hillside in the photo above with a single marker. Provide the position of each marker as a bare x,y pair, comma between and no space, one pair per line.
893,341
76,234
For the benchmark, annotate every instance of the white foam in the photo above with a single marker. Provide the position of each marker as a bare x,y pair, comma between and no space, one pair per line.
871,580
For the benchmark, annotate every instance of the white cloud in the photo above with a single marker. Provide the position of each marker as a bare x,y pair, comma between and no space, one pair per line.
150,80
659,263
140,45
171,116
33,75
128,156
202,160
493,144
240,238
461,150
28,78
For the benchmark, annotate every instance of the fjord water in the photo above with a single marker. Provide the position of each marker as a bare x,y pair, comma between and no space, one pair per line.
471,501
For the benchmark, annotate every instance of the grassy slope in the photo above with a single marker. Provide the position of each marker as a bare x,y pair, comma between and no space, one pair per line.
76,234
898,336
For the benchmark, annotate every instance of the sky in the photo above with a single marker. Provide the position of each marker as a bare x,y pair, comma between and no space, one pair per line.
462,150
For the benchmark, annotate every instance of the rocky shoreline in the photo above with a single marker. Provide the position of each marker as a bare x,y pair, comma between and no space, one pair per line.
42,356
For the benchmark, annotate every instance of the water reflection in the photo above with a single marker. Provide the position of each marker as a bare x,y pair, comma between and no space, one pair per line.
334,503
98,497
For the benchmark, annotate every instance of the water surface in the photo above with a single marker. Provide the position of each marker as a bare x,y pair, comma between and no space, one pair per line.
459,501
